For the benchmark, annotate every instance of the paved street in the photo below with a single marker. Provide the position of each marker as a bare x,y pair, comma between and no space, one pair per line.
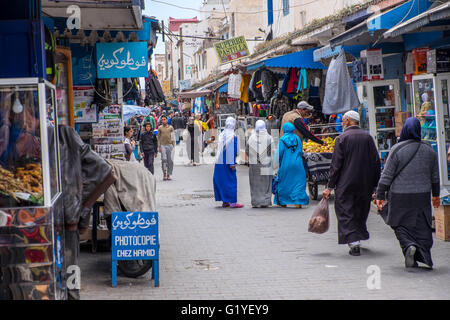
208,252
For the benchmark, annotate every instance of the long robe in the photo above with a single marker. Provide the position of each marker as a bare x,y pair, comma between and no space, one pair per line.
225,181
291,174
259,150
355,171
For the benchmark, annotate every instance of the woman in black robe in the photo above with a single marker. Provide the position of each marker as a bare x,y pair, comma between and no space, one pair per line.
411,175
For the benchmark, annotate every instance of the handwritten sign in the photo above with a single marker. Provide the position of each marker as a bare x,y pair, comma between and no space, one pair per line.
233,49
135,237
122,60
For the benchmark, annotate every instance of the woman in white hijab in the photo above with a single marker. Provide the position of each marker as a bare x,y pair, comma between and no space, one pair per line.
225,181
259,152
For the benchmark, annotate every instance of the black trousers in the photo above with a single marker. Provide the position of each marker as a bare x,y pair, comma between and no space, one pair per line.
149,158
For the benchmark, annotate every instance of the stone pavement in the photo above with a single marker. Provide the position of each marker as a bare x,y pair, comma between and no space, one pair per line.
207,252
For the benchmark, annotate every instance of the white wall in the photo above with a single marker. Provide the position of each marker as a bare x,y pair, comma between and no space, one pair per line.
318,9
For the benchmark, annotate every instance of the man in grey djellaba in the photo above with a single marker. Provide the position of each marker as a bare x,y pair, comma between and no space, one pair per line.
259,151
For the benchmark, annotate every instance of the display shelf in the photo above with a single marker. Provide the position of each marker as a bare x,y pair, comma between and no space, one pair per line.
386,107
385,129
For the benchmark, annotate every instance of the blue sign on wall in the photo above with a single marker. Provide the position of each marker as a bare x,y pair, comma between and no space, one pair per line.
135,237
122,60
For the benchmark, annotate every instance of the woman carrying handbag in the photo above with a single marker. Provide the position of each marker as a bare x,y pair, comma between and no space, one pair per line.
411,175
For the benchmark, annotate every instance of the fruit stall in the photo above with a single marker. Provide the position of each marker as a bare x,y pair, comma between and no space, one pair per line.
318,162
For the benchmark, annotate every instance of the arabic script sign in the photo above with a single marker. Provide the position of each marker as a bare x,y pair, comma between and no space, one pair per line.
134,235
232,49
122,60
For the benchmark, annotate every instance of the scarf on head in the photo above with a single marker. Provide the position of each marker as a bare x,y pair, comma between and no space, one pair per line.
227,134
411,130
259,136
289,138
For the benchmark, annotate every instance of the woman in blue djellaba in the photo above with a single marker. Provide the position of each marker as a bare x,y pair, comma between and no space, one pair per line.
291,189
225,181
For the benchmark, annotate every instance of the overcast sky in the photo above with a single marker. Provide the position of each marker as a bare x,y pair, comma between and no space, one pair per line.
163,12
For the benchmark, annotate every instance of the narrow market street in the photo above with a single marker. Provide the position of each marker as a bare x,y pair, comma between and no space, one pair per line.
207,252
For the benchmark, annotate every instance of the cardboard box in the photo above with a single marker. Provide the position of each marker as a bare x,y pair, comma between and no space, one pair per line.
400,118
442,222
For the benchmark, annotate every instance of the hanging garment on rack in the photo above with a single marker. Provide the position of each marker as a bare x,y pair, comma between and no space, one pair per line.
153,90
302,81
198,106
256,86
245,83
293,76
340,95
234,86
269,82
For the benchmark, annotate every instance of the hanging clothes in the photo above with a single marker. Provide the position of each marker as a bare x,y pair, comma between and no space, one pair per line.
293,79
302,81
340,95
269,83
234,86
256,86
198,106
245,83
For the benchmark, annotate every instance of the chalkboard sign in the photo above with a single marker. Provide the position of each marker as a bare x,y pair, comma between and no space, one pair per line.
135,237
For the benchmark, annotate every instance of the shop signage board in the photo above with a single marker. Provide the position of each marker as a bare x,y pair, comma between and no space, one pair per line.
165,84
232,49
135,237
122,60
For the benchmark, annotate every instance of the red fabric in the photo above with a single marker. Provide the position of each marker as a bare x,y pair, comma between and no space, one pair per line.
293,80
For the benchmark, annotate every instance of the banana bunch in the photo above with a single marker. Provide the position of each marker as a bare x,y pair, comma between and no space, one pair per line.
312,147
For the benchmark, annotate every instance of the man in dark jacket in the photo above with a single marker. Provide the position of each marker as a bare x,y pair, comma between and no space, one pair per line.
149,147
178,124
354,174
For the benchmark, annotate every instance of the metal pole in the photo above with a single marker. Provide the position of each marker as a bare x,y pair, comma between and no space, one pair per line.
181,55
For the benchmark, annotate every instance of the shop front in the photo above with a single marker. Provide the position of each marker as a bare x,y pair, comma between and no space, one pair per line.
427,77
36,97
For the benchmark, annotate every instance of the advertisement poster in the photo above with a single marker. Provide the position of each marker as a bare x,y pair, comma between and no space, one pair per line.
84,110
108,134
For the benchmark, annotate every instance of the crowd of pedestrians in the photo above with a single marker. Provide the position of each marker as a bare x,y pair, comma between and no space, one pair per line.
409,180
